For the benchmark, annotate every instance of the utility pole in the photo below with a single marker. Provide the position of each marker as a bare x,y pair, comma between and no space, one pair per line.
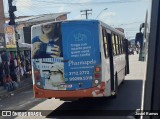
11,11
86,12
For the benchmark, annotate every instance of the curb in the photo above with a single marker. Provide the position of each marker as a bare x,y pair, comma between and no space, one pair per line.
6,95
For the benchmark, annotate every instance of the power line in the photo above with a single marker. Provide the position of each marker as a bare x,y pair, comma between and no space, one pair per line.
84,3
36,8
130,23
86,12
31,8
20,13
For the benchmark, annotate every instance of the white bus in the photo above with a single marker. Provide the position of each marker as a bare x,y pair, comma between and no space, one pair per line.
77,59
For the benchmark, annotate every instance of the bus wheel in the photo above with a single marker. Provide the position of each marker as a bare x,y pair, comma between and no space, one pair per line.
114,94
125,70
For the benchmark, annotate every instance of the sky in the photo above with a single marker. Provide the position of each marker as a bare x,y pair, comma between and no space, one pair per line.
127,14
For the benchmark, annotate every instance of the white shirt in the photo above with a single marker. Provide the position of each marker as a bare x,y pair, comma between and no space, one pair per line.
0,59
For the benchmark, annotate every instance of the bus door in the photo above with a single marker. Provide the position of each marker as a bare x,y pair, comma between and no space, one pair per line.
126,56
110,51
81,53
106,62
106,50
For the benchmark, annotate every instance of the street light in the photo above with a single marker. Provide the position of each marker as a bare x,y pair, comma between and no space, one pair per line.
101,12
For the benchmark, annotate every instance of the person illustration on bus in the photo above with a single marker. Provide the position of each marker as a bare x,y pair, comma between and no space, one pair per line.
49,43
55,77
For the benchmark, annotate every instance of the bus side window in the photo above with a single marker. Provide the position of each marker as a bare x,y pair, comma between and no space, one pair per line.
117,47
113,44
105,43
120,45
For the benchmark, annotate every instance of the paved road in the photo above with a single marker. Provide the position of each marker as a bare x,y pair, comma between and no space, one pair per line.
21,101
129,98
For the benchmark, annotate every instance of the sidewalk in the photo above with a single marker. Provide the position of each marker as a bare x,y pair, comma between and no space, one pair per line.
24,84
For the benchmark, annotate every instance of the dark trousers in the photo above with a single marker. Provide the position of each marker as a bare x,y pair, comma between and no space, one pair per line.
1,80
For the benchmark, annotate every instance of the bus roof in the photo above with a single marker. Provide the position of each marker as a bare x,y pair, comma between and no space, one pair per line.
112,29
91,20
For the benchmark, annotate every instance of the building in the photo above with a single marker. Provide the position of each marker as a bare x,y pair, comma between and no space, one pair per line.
23,27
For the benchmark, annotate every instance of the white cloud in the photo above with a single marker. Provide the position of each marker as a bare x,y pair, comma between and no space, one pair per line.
85,1
78,17
49,6
24,3
107,17
70,7
62,8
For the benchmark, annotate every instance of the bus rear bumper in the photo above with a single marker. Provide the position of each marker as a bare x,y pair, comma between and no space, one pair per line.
91,92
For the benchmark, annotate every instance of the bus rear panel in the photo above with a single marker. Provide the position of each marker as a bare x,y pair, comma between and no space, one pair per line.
76,73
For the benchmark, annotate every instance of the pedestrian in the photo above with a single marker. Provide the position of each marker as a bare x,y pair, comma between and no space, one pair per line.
8,83
1,74
22,69
6,68
0,58
4,56
5,60
17,68
12,71
137,50
27,66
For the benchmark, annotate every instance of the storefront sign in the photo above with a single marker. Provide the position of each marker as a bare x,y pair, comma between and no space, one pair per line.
10,36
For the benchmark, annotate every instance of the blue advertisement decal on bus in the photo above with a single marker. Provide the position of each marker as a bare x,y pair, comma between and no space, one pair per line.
81,52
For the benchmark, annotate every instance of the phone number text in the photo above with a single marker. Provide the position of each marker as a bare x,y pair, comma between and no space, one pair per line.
80,78
78,73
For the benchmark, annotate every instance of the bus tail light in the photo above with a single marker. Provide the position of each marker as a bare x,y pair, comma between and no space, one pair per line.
37,75
97,76
37,78
97,69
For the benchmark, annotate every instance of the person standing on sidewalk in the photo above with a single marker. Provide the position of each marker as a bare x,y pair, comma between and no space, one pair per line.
5,62
1,74
12,70
8,83
18,70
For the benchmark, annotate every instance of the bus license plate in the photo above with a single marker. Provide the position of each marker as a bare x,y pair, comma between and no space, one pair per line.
66,86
